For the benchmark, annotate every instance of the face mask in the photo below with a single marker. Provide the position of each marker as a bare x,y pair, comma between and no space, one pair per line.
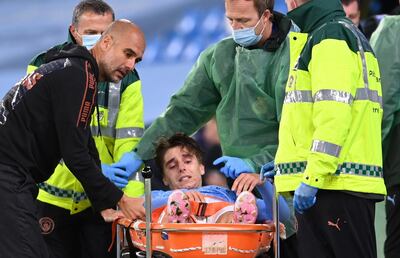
247,36
89,41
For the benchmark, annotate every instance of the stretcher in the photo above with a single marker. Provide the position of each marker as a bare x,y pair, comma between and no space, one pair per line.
194,240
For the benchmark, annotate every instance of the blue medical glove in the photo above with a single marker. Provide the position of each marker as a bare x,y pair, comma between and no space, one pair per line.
233,166
304,197
130,162
268,169
116,175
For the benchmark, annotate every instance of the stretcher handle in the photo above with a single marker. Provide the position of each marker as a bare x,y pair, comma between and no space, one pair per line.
193,227
275,214
147,174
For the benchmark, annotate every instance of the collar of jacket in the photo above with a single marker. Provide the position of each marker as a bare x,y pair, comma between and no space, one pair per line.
70,38
314,13
281,27
72,50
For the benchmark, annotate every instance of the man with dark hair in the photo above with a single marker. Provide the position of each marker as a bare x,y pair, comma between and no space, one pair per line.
181,162
329,149
98,7
79,231
177,140
45,118
239,80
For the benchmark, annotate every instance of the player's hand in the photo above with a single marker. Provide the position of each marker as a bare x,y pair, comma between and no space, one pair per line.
246,182
195,196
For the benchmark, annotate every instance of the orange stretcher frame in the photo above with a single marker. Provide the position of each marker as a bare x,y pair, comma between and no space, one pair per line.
202,240
194,239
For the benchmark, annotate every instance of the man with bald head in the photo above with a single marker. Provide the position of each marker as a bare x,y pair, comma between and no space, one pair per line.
113,67
45,118
79,231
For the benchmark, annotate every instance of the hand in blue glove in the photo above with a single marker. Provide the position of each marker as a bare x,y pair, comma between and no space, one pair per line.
116,175
304,197
130,162
268,170
233,166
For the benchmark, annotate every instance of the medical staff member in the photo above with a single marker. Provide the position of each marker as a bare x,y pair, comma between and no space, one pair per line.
330,133
241,81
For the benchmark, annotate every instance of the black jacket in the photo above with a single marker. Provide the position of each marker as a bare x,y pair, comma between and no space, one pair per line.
50,122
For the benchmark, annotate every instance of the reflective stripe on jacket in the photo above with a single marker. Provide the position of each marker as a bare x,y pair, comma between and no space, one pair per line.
121,128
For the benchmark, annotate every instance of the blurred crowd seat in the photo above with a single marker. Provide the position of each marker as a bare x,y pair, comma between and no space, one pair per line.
194,31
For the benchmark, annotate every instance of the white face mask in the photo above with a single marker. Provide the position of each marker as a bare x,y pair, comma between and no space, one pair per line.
247,36
89,41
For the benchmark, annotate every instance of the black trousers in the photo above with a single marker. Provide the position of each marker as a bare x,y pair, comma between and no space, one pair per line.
392,243
19,228
84,234
339,225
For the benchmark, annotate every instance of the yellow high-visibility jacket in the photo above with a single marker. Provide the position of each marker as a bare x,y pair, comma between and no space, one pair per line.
330,131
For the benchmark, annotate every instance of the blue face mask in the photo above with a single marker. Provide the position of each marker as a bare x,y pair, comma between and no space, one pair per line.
89,41
247,36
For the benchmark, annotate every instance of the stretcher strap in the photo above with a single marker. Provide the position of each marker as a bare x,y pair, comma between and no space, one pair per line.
129,240
197,209
203,209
